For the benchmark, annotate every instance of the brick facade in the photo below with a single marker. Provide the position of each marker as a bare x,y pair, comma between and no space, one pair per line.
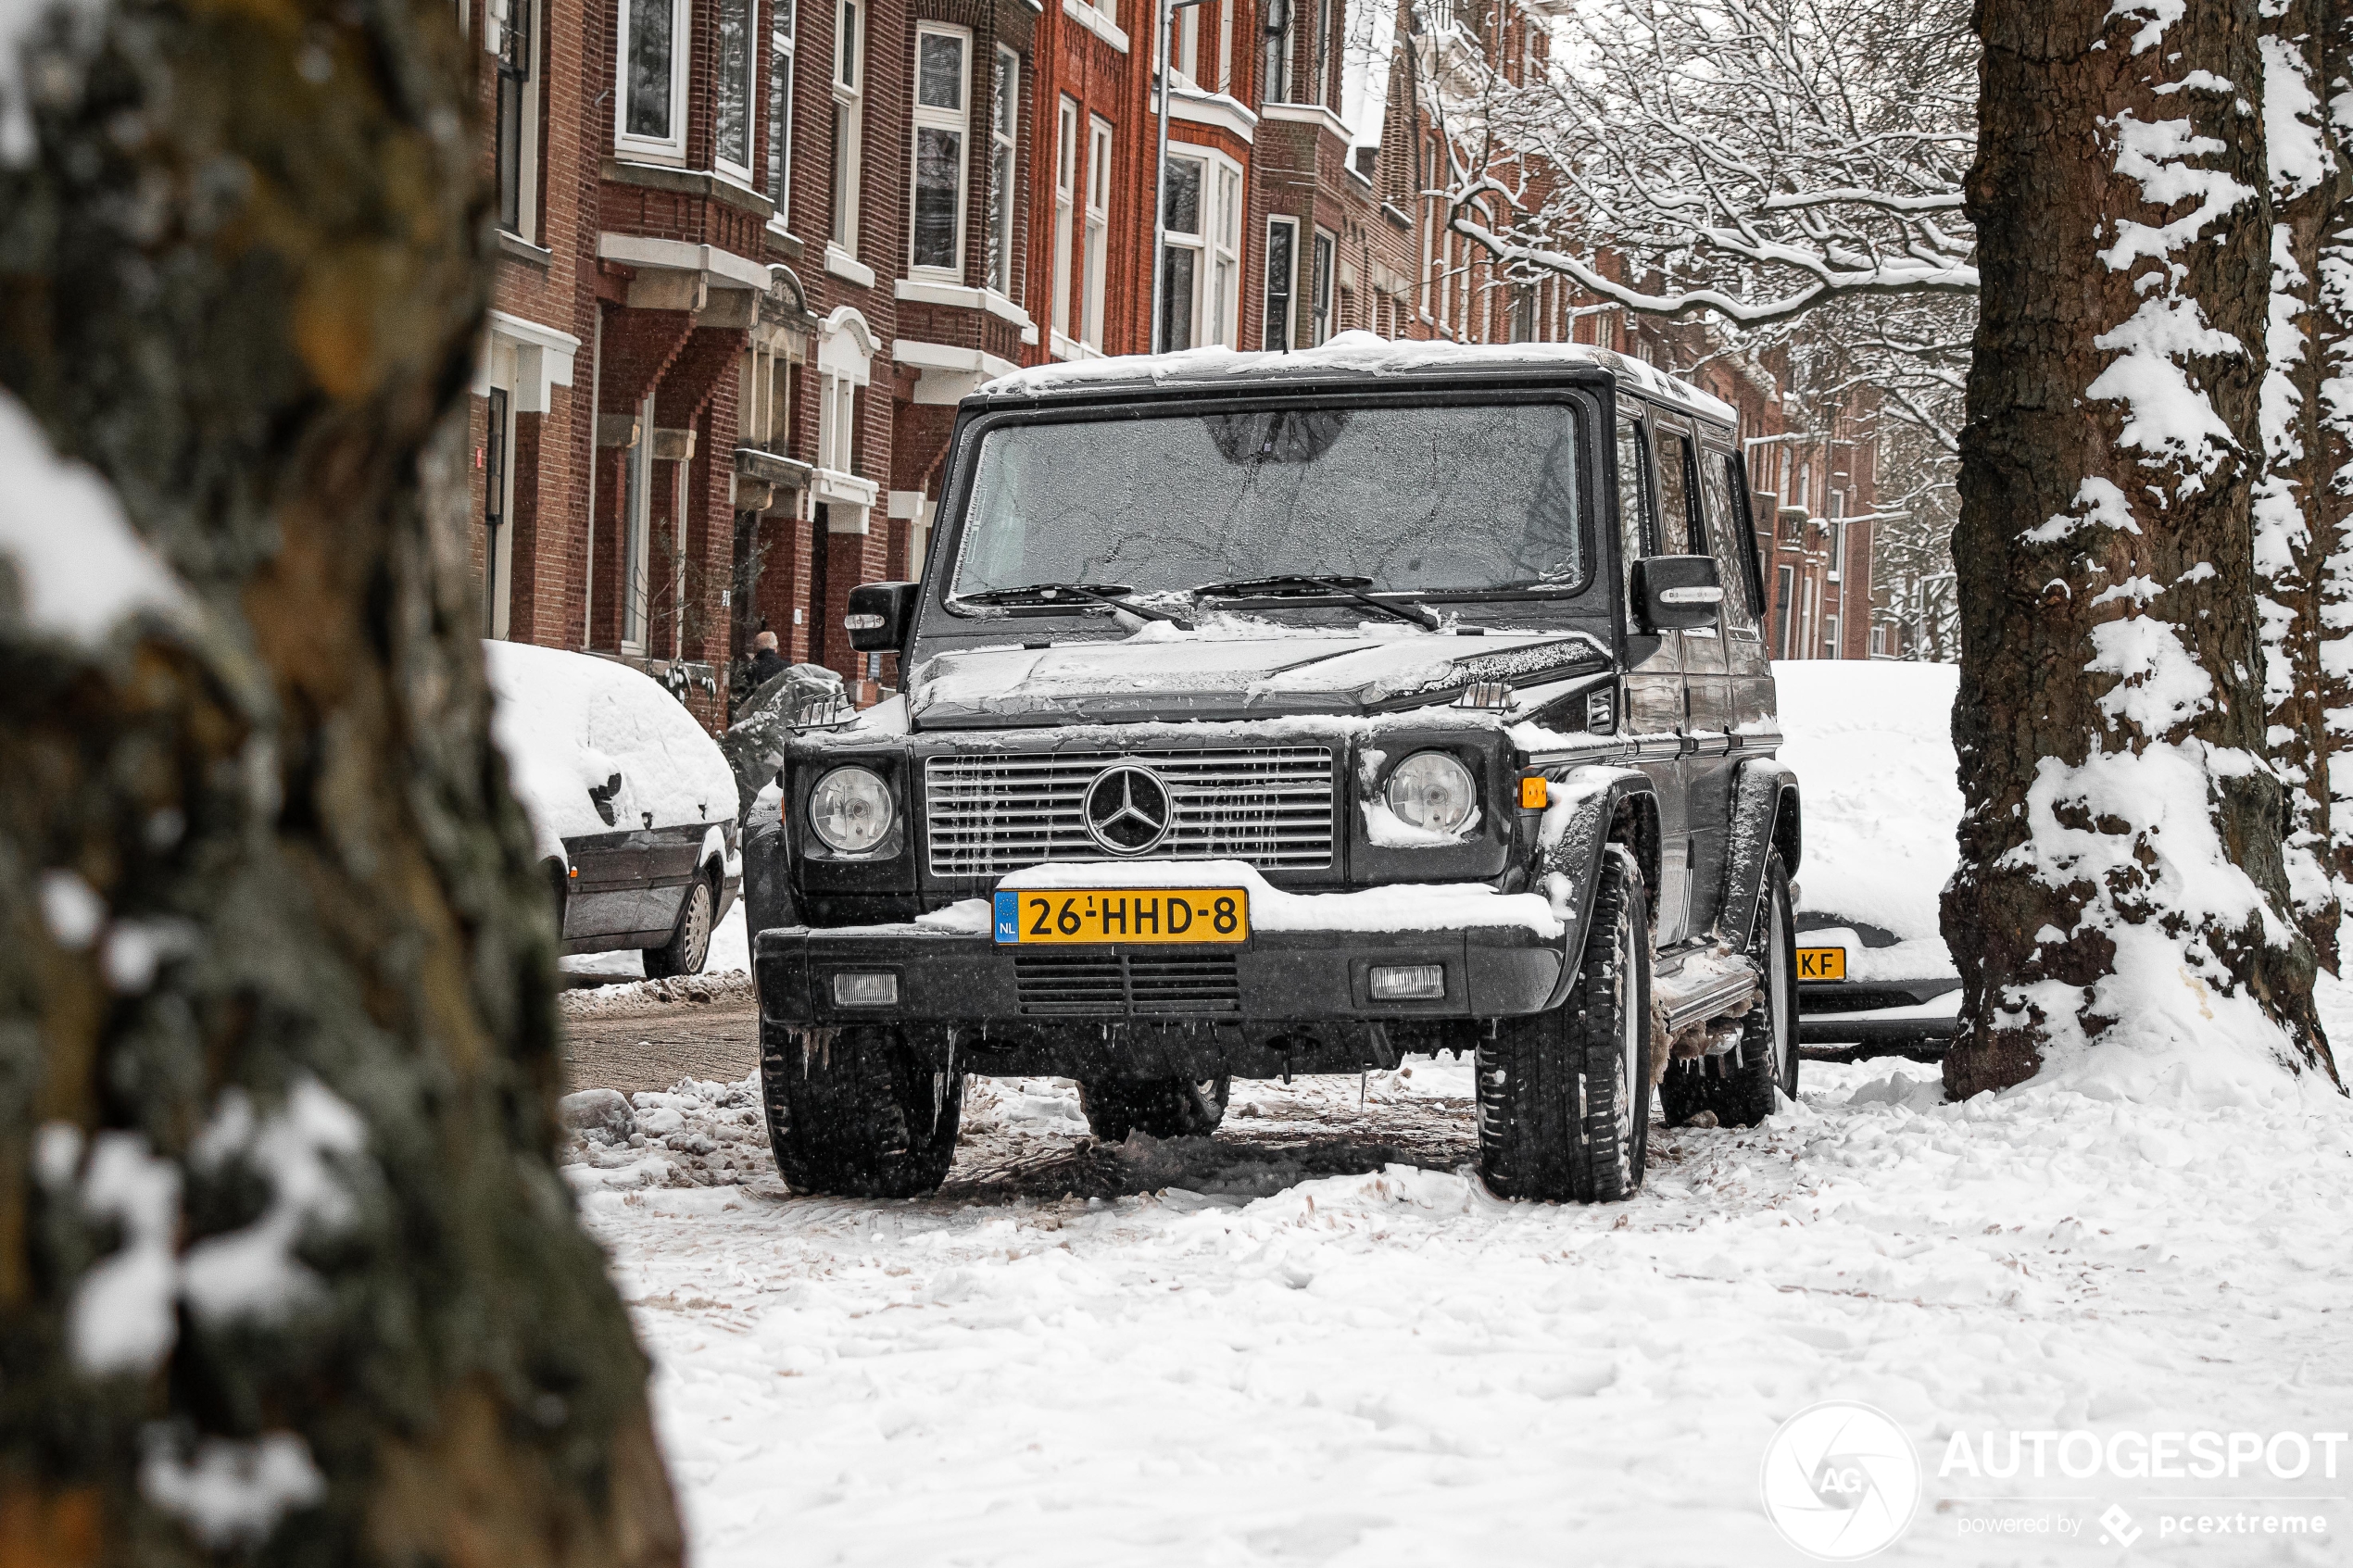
714,420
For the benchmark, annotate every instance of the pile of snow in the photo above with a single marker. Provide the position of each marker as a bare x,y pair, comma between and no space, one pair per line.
1871,742
569,721
1380,1362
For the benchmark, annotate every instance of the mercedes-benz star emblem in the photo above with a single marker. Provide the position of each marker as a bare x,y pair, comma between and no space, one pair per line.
1128,809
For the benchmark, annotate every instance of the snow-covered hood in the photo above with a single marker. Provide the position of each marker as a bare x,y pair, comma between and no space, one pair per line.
1164,673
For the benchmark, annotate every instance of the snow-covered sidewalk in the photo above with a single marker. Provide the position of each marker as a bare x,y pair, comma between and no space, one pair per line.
1258,1362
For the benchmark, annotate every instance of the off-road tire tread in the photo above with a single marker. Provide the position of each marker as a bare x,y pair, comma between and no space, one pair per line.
1163,1108
852,1114
1531,1144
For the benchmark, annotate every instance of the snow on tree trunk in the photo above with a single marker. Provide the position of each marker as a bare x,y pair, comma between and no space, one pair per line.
2122,886
2304,182
2330,506
286,1271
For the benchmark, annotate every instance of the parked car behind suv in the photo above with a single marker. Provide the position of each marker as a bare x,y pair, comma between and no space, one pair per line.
633,805
1272,714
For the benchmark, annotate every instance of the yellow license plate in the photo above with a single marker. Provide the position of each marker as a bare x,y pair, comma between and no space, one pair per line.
1124,914
1821,964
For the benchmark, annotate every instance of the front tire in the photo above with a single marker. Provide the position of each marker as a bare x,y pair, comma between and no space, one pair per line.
689,945
1564,1096
1164,1107
853,1113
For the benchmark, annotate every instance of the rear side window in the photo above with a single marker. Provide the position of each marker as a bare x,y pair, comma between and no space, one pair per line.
1631,544
1677,526
1724,526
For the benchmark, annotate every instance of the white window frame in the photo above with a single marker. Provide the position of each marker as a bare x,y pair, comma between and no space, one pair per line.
1289,293
755,92
1217,242
1323,287
957,122
636,536
849,100
782,54
1066,200
1004,271
1099,146
527,180
659,149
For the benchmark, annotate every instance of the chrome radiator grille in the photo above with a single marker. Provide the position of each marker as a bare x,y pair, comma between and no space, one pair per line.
1271,805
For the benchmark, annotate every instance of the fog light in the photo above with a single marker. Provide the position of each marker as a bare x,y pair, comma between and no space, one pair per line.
1409,981
866,990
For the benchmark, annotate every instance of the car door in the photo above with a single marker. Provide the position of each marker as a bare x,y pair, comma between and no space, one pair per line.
674,858
1656,715
1711,675
609,868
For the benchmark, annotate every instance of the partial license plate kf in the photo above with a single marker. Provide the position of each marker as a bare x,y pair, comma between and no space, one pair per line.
1124,914
1821,964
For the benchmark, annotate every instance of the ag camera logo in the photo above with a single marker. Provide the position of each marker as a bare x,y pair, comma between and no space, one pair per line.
1840,1481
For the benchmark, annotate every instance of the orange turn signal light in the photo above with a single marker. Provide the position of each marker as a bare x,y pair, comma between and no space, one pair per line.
1533,793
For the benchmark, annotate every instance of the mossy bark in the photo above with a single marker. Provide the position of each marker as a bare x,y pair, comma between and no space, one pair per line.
242,276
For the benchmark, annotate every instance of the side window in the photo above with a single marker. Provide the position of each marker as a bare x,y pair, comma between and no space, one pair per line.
1632,543
1678,528
1719,487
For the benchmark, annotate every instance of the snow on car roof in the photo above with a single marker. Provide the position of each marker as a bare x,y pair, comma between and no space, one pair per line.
1871,742
1347,357
569,721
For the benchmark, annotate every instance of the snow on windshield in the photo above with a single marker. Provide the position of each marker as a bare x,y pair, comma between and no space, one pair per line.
568,722
1871,742
1457,498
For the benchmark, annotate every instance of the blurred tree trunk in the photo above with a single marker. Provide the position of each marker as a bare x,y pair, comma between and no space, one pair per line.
285,1263
2292,512
2122,880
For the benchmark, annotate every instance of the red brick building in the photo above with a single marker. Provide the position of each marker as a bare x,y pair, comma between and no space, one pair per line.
752,252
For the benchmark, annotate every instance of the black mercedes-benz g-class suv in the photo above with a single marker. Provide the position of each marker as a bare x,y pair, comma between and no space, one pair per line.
1270,714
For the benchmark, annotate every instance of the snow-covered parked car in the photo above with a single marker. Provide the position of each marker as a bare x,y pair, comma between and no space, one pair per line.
632,803
1270,714
1874,741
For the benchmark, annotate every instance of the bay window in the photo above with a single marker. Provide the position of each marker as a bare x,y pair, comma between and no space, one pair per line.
737,88
1200,261
650,119
1003,118
937,231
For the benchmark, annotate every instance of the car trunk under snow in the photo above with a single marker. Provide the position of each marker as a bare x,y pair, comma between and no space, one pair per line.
1874,743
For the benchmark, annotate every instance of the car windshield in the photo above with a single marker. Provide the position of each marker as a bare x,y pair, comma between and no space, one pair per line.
1430,499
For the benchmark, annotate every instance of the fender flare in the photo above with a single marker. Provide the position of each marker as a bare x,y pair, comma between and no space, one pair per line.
1766,817
1591,807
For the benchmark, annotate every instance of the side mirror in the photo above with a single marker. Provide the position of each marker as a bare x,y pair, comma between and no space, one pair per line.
1678,593
879,614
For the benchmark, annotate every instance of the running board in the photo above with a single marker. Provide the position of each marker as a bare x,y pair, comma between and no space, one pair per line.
1704,988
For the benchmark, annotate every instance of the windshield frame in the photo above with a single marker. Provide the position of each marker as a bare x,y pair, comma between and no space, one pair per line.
1583,400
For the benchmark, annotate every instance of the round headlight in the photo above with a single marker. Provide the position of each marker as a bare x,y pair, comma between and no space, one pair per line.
1431,790
851,810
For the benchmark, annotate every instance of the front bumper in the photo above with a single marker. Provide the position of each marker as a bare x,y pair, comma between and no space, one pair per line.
1286,999
1889,1013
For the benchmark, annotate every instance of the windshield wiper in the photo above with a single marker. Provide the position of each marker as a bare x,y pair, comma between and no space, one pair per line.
1303,583
1111,594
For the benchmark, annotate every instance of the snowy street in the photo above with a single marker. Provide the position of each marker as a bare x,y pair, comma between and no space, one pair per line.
1316,1339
